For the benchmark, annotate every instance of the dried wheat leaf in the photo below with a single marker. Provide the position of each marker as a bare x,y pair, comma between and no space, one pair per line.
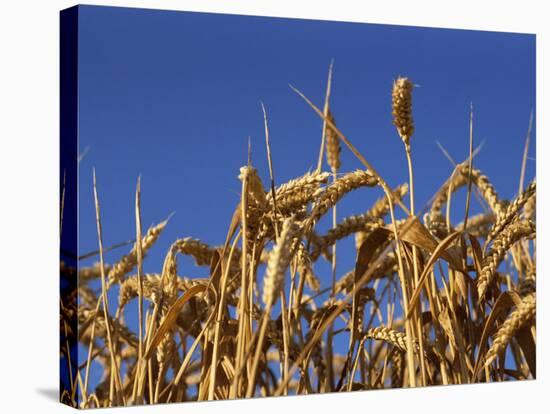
503,304
437,253
414,232
374,241
171,317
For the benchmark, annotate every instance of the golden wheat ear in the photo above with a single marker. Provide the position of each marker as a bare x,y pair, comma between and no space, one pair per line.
402,108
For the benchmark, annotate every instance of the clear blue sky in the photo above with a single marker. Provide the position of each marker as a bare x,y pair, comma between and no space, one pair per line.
174,96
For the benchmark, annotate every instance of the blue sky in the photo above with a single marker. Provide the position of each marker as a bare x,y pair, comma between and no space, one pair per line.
174,96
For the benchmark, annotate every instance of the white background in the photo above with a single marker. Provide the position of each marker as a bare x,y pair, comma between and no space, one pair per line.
29,194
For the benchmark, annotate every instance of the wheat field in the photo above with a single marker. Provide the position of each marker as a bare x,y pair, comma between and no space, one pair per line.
429,301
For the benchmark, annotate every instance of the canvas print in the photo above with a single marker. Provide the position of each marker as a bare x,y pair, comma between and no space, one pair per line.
257,207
